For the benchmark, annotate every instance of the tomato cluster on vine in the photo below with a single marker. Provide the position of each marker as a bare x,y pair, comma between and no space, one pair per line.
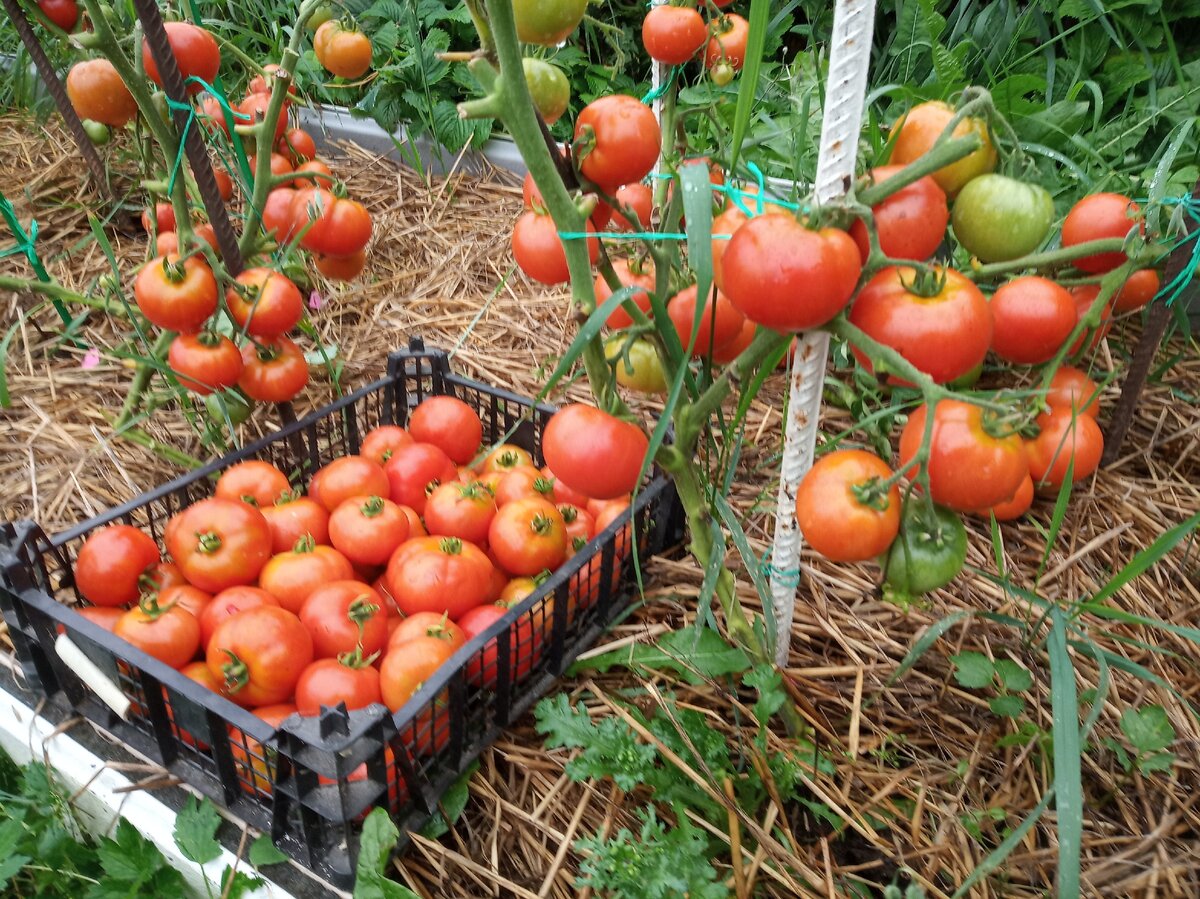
361,589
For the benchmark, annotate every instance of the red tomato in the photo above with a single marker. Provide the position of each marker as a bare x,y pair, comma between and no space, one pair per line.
205,362
971,466
533,201
539,252
605,515
293,517
505,457
448,578
265,303
212,115
728,43
1085,295
226,604
786,277
841,511
219,543
945,335
920,128
1014,508
224,183
195,50
673,34
382,442
528,536
1071,389
264,83
911,222
274,371
727,222
414,471
253,109
593,452
724,355
344,615
292,576
638,199
170,634
521,483
98,93
256,762
321,175
579,522
259,654
347,477
563,493
526,641
460,510
160,576
367,529
426,624
449,424
1066,439
277,214
111,563
642,277
1138,290
720,323
297,145
1032,317
341,268
176,294
63,13
624,142
341,50
185,596
277,163
1099,216
105,616
328,682
405,670
258,483
161,218
339,227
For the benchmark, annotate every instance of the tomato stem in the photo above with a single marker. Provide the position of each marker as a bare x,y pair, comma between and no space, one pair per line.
234,672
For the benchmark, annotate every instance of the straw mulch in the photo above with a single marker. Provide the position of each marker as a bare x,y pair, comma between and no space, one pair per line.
920,756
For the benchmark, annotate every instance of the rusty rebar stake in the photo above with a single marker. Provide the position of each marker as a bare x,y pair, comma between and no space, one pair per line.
59,93
193,142
1143,356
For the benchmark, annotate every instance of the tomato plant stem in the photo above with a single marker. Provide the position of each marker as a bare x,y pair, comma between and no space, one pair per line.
57,291
141,380
1056,258
941,155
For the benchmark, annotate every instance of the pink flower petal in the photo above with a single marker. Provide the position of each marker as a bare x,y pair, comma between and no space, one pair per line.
90,359
315,300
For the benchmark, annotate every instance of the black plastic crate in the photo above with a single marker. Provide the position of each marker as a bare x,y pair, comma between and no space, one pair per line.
310,782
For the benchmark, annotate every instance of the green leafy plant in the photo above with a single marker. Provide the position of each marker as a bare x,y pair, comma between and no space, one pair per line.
975,671
1148,732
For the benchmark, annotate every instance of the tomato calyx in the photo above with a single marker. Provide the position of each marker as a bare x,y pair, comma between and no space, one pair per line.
541,524
433,485
360,611
927,282
999,425
451,546
355,659
175,271
474,490
872,494
372,508
569,513
209,338
306,544
149,606
544,486
267,352
235,674
508,459
578,543
208,542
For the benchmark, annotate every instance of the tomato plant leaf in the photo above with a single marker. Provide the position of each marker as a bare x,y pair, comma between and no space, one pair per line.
1147,729
379,837
195,831
973,670
451,805
1014,676
767,680
263,852
237,884
1007,706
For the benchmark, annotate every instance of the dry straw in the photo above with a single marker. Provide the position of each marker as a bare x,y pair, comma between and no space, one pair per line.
921,755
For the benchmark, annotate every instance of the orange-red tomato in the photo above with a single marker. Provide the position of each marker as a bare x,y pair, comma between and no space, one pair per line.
539,251
449,578
624,141
258,655
219,543
298,145
341,268
293,517
226,604
449,424
367,529
629,274
1014,508
342,51
720,322
1138,290
920,128
346,477
253,481
111,563
593,452
460,510
841,510
1071,389
176,294
195,50
342,616
328,682
170,634
673,34
911,223
638,198
528,536
728,42
1066,440
1096,217
98,93
414,471
292,576
382,442
1031,317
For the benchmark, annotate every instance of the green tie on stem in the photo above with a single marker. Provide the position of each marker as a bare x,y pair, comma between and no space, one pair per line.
27,245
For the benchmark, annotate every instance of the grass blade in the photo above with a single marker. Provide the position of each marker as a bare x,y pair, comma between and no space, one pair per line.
1001,852
1147,558
590,329
760,13
1068,778
927,640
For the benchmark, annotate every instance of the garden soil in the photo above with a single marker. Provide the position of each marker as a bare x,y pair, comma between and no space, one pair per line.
920,763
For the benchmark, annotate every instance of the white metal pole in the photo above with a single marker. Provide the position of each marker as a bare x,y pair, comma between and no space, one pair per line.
845,97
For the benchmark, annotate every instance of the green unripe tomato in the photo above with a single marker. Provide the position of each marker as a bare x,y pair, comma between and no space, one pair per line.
969,380
549,87
227,403
98,133
721,74
998,218
320,16
928,553
643,372
547,22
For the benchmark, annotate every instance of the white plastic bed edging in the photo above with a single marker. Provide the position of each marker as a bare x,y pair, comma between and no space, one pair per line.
328,123
98,801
